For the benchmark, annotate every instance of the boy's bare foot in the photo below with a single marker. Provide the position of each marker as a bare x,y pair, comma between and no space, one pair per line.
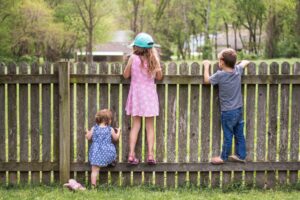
234,158
217,160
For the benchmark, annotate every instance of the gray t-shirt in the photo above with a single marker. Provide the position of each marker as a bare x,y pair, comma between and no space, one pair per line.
230,93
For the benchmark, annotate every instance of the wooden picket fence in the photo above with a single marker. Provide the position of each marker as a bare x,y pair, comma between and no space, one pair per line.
44,111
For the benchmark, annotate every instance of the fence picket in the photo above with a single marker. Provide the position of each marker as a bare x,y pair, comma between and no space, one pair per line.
171,115
272,131
261,126
284,120
35,124
114,106
2,125
205,132
294,138
250,122
216,130
126,126
160,134
183,123
194,123
46,126
23,105
80,120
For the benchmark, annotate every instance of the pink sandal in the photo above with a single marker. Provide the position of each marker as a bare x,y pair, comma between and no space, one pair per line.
133,160
151,160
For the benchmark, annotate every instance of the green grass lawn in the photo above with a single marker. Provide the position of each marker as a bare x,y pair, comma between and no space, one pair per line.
136,193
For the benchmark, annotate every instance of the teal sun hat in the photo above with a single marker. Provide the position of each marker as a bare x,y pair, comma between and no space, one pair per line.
143,40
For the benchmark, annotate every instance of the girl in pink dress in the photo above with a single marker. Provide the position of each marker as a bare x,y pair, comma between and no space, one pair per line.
143,67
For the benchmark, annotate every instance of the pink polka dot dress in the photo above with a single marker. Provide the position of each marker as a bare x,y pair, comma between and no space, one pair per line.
142,98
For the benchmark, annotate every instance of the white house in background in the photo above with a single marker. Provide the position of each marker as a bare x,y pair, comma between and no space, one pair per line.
115,50
235,41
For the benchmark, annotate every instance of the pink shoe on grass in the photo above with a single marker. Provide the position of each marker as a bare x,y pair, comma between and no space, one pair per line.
74,185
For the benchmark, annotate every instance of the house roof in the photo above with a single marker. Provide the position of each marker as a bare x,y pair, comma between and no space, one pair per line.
110,49
113,47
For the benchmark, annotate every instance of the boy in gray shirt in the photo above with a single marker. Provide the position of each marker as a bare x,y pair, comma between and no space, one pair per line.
228,78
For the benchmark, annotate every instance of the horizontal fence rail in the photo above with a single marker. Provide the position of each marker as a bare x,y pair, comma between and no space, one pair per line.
45,110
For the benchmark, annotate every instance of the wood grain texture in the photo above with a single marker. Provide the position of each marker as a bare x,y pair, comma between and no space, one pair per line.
171,117
294,149
2,125
261,126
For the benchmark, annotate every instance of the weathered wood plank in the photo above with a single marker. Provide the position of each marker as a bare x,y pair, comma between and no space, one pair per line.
2,126
183,123
205,131
104,86
72,118
160,134
46,123
250,123
126,126
294,149
194,126
35,120
80,120
160,167
284,123
216,130
171,124
272,132
12,122
173,79
56,122
114,106
23,107
261,126
64,118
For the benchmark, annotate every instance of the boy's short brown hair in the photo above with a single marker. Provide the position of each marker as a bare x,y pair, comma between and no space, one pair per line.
103,116
228,56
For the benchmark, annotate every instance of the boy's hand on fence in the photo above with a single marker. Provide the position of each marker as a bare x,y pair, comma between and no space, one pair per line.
244,63
206,63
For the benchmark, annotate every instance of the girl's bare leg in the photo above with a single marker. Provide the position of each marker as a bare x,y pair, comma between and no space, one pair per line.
150,135
136,125
94,175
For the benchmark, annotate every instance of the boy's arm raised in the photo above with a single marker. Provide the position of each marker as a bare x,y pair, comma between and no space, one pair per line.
244,63
206,64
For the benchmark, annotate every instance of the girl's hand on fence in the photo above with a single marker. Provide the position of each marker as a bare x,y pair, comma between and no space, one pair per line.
88,134
116,134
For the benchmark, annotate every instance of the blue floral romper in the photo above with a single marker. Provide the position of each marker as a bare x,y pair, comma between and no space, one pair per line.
102,151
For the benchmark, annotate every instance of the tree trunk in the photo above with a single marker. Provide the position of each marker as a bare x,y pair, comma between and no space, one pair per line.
227,39
235,38
298,21
272,34
90,47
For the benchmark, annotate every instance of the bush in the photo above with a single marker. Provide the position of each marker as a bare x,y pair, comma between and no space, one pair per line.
288,48
247,56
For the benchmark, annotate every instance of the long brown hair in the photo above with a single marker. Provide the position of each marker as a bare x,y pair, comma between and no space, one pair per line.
151,56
